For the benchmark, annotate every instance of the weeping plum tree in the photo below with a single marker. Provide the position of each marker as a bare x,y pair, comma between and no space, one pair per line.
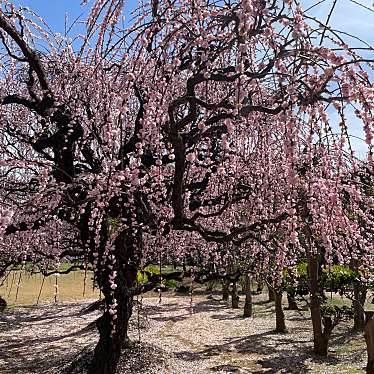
321,248
189,128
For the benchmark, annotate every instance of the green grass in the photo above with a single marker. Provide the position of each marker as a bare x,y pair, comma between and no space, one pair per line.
70,287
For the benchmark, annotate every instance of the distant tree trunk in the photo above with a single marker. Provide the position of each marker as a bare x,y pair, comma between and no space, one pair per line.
359,292
225,290
369,338
234,297
260,286
320,340
248,297
292,305
280,323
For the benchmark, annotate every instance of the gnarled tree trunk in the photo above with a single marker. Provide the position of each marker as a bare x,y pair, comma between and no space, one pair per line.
108,349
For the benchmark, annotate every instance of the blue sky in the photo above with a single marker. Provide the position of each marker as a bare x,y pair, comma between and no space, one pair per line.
354,19
348,16
53,11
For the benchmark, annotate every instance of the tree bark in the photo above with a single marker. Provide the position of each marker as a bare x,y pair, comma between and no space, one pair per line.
271,295
108,349
248,297
359,294
234,297
280,323
320,340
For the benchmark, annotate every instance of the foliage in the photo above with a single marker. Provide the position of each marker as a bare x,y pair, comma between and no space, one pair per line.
142,278
170,283
337,313
296,282
153,269
338,278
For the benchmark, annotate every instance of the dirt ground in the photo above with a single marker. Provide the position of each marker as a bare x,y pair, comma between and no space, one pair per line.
174,338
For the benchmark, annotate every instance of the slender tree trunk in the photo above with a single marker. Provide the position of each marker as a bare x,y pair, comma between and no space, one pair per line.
359,292
320,340
248,297
280,323
225,291
234,297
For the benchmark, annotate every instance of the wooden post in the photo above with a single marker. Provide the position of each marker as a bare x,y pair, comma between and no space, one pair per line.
56,288
40,291
19,283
